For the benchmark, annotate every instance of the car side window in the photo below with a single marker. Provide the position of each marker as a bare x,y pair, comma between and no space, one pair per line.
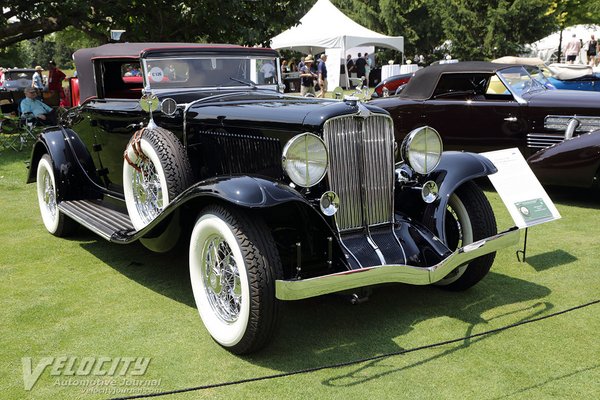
120,80
496,87
461,86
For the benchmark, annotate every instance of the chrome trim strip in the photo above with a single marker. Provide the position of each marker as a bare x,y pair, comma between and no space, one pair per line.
305,288
376,248
587,123
543,140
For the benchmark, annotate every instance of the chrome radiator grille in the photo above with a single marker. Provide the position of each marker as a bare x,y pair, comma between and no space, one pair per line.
361,169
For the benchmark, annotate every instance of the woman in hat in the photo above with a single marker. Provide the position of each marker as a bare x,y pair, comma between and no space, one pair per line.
37,82
307,77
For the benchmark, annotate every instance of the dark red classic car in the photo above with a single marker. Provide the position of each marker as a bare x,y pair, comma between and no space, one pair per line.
481,106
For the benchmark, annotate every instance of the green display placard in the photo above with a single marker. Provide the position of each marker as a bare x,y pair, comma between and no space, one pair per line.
534,209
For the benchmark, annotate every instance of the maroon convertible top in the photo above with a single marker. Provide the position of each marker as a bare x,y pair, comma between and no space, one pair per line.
85,67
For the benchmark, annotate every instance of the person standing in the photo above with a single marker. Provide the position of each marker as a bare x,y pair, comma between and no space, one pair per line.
368,68
268,71
55,79
360,65
350,65
36,80
322,73
572,49
307,77
591,51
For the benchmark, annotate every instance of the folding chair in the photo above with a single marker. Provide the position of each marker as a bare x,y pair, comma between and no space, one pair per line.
28,123
12,135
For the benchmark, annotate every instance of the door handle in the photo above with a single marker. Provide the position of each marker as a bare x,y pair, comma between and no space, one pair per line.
134,126
511,119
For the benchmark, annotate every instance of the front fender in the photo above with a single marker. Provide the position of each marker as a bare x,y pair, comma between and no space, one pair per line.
456,168
244,191
574,162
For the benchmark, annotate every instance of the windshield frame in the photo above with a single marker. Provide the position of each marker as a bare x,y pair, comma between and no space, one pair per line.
524,84
252,69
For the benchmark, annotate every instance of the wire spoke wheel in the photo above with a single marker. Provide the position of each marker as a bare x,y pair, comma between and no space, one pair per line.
54,220
156,169
222,279
233,267
147,191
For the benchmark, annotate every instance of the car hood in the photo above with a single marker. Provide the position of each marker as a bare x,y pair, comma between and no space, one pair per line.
581,102
252,110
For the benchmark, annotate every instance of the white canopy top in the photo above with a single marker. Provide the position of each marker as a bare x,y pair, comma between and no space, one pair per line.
325,27
570,71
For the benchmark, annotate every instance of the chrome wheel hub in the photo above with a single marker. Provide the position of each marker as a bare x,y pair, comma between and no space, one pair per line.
221,278
147,191
49,194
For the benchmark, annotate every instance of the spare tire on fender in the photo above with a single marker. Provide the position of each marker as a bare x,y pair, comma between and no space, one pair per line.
156,169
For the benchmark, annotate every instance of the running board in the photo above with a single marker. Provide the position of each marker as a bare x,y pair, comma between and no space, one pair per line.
99,217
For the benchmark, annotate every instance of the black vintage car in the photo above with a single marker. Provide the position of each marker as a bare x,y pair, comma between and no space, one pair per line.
480,106
283,197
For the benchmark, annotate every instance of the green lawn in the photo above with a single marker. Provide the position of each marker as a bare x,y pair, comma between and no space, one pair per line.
85,297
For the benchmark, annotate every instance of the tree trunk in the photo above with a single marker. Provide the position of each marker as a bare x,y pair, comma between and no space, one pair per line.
559,45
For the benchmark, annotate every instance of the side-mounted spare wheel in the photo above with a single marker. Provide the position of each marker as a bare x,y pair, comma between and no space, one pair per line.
234,264
54,220
469,217
156,169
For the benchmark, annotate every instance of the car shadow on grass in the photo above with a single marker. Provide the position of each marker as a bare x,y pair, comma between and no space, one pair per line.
576,197
328,329
166,273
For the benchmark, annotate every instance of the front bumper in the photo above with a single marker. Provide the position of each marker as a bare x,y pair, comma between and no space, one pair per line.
311,287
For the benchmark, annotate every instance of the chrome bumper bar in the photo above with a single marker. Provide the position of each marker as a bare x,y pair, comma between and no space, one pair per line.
311,287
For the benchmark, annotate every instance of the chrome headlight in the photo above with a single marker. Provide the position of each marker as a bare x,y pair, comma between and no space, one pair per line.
305,159
422,149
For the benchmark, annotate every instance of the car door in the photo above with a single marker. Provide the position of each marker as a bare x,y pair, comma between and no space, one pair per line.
107,126
475,112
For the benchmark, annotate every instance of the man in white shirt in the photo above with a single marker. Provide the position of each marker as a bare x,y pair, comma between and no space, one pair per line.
572,49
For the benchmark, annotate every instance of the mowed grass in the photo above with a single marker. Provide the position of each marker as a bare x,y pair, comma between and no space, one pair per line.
85,297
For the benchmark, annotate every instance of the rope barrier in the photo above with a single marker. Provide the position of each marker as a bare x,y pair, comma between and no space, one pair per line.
357,361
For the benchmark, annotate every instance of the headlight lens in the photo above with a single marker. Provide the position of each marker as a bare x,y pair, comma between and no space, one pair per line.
305,159
422,149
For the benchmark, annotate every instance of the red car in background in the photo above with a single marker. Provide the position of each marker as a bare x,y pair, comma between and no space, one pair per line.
390,85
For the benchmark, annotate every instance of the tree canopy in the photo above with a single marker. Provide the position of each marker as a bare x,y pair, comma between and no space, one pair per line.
233,21
475,29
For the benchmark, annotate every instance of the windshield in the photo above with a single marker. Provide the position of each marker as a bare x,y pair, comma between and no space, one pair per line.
519,80
14,75
198,72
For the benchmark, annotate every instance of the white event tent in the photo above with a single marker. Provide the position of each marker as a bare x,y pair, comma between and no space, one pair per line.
547,47
325,28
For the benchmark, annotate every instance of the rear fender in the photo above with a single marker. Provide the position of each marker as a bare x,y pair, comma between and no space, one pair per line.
456,168
60,145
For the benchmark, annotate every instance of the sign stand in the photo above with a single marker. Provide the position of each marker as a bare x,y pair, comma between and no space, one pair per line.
524,251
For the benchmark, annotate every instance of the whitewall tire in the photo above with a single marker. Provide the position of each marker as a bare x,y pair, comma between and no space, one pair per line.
233,267
55,221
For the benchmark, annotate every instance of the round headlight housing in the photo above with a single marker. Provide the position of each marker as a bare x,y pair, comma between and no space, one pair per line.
305,159
422,149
